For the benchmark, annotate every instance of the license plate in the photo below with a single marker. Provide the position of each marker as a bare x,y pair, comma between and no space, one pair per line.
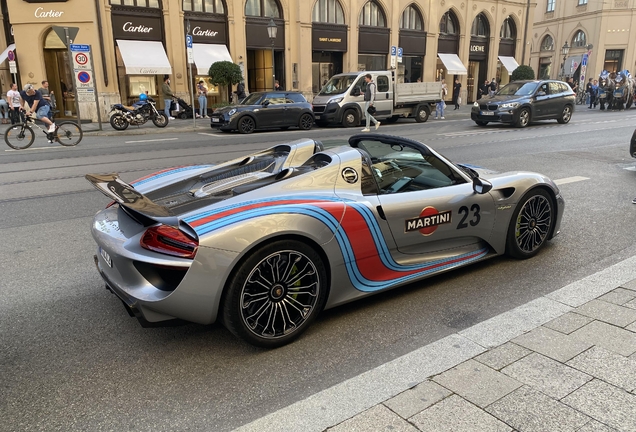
106,257
215,120
487,113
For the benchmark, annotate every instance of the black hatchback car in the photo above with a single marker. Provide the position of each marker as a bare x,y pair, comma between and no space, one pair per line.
265,110
521,102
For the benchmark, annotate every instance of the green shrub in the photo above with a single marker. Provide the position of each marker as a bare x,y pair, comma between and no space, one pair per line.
225,73
522,72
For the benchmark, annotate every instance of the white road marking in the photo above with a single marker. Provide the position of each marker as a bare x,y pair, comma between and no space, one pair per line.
36,148
152,140
210,134
570,180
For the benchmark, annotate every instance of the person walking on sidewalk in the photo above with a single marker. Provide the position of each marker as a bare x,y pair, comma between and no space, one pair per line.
203,99
4,108
15,108
369,99
456,89
167,94
439,108
37,105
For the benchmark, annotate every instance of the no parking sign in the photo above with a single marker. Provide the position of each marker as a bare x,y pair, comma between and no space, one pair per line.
84,78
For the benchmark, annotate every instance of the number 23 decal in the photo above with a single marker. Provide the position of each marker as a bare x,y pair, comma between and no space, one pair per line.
474,211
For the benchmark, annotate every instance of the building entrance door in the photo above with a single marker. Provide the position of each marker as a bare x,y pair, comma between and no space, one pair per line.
59,75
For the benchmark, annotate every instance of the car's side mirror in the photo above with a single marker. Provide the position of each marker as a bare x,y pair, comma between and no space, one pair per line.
265,102
481,186
355,91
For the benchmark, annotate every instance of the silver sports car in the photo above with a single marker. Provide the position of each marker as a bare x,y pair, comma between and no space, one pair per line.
265,242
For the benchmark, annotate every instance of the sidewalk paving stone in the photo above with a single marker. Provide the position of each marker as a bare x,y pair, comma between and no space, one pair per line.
417,399
630,285
610,337
455,414
619,296
546,375
553,344
608,366
529,410
502,356
631,304
608,312
376,419
605,403
568,322
477,382
595,426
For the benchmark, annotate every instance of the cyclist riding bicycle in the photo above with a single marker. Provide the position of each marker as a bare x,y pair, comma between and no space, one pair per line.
38,105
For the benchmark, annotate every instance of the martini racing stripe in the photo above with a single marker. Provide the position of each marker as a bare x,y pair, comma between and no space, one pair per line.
167,172
369,264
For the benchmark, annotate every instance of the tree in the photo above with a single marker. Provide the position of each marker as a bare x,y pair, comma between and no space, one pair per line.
522,72
225,73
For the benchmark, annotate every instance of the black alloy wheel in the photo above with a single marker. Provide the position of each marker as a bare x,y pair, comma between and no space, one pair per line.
160,120
531,224
306,122
118,122
275,294
246,125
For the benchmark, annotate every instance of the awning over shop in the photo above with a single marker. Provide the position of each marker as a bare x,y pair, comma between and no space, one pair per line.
206,54
453,64
572,64
509,63
5,53
144,57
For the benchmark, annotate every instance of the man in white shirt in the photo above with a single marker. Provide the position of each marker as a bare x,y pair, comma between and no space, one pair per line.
13,99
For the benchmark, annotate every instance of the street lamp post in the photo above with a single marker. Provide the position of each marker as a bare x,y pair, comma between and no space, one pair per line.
272,31
565,49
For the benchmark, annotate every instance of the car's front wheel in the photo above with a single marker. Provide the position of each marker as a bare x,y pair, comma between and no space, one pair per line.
275,294
246,125
531,224
566,115
523,118
306,122
350,118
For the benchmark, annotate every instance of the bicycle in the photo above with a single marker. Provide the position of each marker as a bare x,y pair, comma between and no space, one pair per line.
21,135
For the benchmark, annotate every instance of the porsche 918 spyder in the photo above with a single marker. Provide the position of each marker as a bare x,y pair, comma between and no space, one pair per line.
264,243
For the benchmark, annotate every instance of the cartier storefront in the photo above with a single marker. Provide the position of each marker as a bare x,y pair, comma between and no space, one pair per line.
139,51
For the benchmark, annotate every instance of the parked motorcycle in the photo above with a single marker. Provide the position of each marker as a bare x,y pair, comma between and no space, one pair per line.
121,116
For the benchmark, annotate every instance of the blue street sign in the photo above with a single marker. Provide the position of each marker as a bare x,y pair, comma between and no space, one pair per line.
399,52
584,61
76,47
393,50
188,41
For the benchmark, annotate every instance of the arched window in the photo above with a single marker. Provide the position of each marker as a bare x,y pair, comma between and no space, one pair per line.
262,8
480,27
372,15
138,3
411,19
328,11
448,24
579,40
508,29
547,44
208,6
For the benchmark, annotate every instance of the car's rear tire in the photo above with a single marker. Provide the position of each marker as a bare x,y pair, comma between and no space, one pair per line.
531,224
275,294
422,113
523,118
306,122
246,125
481,123
566,115
351,118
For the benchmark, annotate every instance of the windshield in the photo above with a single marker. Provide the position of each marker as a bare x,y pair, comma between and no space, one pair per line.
337,85
252,99
518,89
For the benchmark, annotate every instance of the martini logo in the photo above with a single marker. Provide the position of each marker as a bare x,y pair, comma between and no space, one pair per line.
428,221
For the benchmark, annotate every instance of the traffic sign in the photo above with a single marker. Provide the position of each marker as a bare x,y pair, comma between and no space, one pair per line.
393,50
11,55
190,55
393,56
84,78
12,66
81,56
188,41
86,95
399,54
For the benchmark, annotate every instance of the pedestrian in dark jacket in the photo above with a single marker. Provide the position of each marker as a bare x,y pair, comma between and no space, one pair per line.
456,88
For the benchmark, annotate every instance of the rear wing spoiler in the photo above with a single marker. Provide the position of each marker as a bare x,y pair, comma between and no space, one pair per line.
124,194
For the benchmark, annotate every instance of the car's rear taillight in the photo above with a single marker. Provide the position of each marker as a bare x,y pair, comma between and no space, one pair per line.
170,241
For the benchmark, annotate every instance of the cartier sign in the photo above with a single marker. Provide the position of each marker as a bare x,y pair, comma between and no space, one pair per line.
133,27
208,31
51,13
